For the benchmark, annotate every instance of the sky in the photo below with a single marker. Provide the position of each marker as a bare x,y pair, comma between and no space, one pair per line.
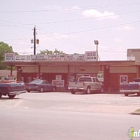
72,26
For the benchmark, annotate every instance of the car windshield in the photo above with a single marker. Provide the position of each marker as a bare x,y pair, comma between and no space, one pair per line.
36,81
85,79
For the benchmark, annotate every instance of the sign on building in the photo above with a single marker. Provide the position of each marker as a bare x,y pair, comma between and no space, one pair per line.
91,56
100,76
9,57
22,58
123,79
88,56
58,77
58,83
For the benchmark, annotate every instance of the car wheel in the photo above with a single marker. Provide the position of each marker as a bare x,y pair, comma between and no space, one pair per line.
72,91
28,90
88,91
41,89
126,94
11,96
138,93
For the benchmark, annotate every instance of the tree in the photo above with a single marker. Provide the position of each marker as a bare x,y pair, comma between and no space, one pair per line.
4,48
51,52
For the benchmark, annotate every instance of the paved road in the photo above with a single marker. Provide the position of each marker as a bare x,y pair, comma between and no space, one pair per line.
63,116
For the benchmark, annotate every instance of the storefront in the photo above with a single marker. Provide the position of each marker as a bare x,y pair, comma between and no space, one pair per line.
60,69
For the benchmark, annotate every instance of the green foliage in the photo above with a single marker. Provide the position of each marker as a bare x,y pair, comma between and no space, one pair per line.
4,48
51,52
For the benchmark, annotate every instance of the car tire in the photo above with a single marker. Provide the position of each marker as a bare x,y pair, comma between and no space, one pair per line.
126,94
11,96
41,89
28,91
138,93
88,91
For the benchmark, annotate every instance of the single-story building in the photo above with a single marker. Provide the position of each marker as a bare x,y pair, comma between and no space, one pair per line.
60,69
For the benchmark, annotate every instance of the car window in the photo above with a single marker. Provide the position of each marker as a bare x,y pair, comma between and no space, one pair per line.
36,82
85,79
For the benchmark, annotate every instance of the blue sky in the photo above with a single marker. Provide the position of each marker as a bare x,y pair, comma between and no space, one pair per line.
72,26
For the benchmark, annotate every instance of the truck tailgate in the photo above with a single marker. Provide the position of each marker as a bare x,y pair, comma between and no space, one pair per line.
129,87
75,85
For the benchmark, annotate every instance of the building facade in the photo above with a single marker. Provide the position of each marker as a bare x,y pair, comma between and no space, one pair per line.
60,69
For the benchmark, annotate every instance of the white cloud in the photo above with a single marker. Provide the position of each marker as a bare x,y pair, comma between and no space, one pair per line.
127,28
58,7
118,40
92,13
75,8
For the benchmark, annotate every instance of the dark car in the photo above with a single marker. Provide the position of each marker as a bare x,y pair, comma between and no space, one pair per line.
40,85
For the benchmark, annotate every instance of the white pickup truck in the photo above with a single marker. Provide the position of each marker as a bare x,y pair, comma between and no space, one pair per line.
87,84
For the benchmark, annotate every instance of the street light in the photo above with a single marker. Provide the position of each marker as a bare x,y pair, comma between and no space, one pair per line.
96,43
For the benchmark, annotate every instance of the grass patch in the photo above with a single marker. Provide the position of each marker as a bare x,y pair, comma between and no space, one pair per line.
136,112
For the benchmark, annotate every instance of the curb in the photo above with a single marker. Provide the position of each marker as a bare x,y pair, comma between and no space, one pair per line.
135,113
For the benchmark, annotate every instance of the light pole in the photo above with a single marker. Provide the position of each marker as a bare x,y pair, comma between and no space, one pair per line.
96,42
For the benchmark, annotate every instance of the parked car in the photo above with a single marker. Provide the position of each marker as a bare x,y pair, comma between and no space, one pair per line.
131,87
39,85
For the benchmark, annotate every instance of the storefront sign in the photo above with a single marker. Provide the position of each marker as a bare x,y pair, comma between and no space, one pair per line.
9,56
91,56
58,77
100,76
22,58
123,79
39,57
58,83
88,56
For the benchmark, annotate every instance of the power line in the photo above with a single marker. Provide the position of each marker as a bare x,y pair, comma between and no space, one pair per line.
67,21
63,39
101,28
69,9
89,30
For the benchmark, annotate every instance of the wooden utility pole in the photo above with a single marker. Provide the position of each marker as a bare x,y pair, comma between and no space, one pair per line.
34,40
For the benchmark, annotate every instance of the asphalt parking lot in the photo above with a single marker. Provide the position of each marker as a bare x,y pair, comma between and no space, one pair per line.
65,101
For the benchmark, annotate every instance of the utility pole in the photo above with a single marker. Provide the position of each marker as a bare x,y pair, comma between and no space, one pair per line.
34,40
96,43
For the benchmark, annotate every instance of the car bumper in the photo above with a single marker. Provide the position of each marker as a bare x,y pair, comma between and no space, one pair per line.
17,92
129,91
76,88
